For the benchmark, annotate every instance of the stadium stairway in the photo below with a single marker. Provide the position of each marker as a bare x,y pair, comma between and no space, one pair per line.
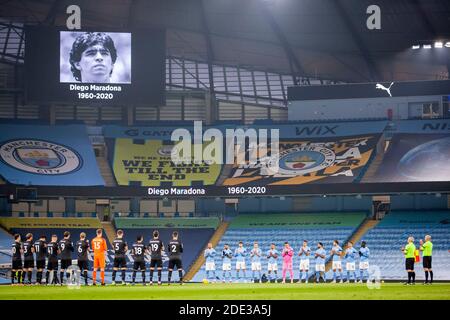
367,225
110,230
198,263
106,172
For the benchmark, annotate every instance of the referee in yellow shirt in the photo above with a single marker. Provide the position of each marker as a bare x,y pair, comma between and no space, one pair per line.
409,250
427,251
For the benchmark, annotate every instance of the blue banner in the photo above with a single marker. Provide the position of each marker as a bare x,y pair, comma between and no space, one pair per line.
48,155
423,126
294,130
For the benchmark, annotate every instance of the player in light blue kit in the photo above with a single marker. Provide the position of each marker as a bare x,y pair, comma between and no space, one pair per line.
227,255
336,253
255,257
240,254
364,254
350,256
272,264
304,253
320,256
210,265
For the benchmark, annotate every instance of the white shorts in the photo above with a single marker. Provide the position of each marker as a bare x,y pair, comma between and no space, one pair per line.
256,266
304,264
350,266
272,266
364,265
336,265
226,267
240,265
210,266
320,267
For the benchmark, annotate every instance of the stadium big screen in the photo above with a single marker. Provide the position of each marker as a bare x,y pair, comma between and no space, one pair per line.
111,68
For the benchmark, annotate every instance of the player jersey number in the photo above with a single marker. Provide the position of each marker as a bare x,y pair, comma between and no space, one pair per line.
50,250
97,245
155,247
174,248
14,250
37,247
138,250
116,246
80,249
62,246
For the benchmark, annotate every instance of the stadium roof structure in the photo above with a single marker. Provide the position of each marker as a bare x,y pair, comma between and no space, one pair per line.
319,39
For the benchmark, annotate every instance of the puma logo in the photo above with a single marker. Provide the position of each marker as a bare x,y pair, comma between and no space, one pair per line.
381,87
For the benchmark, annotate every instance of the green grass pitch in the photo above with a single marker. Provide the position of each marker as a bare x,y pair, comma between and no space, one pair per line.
231,292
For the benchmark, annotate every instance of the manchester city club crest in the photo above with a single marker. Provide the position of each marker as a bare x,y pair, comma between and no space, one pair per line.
39,156
302,160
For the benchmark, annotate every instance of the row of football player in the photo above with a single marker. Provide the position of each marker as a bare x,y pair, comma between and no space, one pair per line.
40,250
337,254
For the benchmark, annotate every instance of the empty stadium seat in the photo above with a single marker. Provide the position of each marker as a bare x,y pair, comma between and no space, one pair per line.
386,239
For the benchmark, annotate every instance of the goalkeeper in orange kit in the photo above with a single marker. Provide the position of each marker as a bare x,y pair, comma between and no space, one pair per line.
99,246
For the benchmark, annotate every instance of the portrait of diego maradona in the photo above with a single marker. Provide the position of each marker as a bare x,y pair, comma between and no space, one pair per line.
95,57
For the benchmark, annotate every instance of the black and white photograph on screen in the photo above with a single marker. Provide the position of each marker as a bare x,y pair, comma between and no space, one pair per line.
95,57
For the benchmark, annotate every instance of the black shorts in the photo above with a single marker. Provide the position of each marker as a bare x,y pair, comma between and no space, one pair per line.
28,264
120,263
16,265
52,264
139,265
156,263
65,263
40,264
427,262
83,265
409,263
175,264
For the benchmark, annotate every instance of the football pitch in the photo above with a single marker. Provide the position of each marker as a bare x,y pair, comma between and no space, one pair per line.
198,291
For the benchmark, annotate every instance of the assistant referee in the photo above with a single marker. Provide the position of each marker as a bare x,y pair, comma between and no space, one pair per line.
409,250
427,249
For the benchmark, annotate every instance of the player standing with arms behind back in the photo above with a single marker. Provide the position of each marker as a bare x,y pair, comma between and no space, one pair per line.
210,265
156,248
175,249
40,249
138,253
120,249
52,261
99,246
28,259
66,249
16,250
82,256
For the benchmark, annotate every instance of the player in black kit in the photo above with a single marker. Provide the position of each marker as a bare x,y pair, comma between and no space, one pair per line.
138,252
82,246
175,249
16,251
156,247
40,250
120,250
66,249
52,262
28,258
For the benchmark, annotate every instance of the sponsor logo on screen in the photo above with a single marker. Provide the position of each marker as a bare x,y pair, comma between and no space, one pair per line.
40,157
